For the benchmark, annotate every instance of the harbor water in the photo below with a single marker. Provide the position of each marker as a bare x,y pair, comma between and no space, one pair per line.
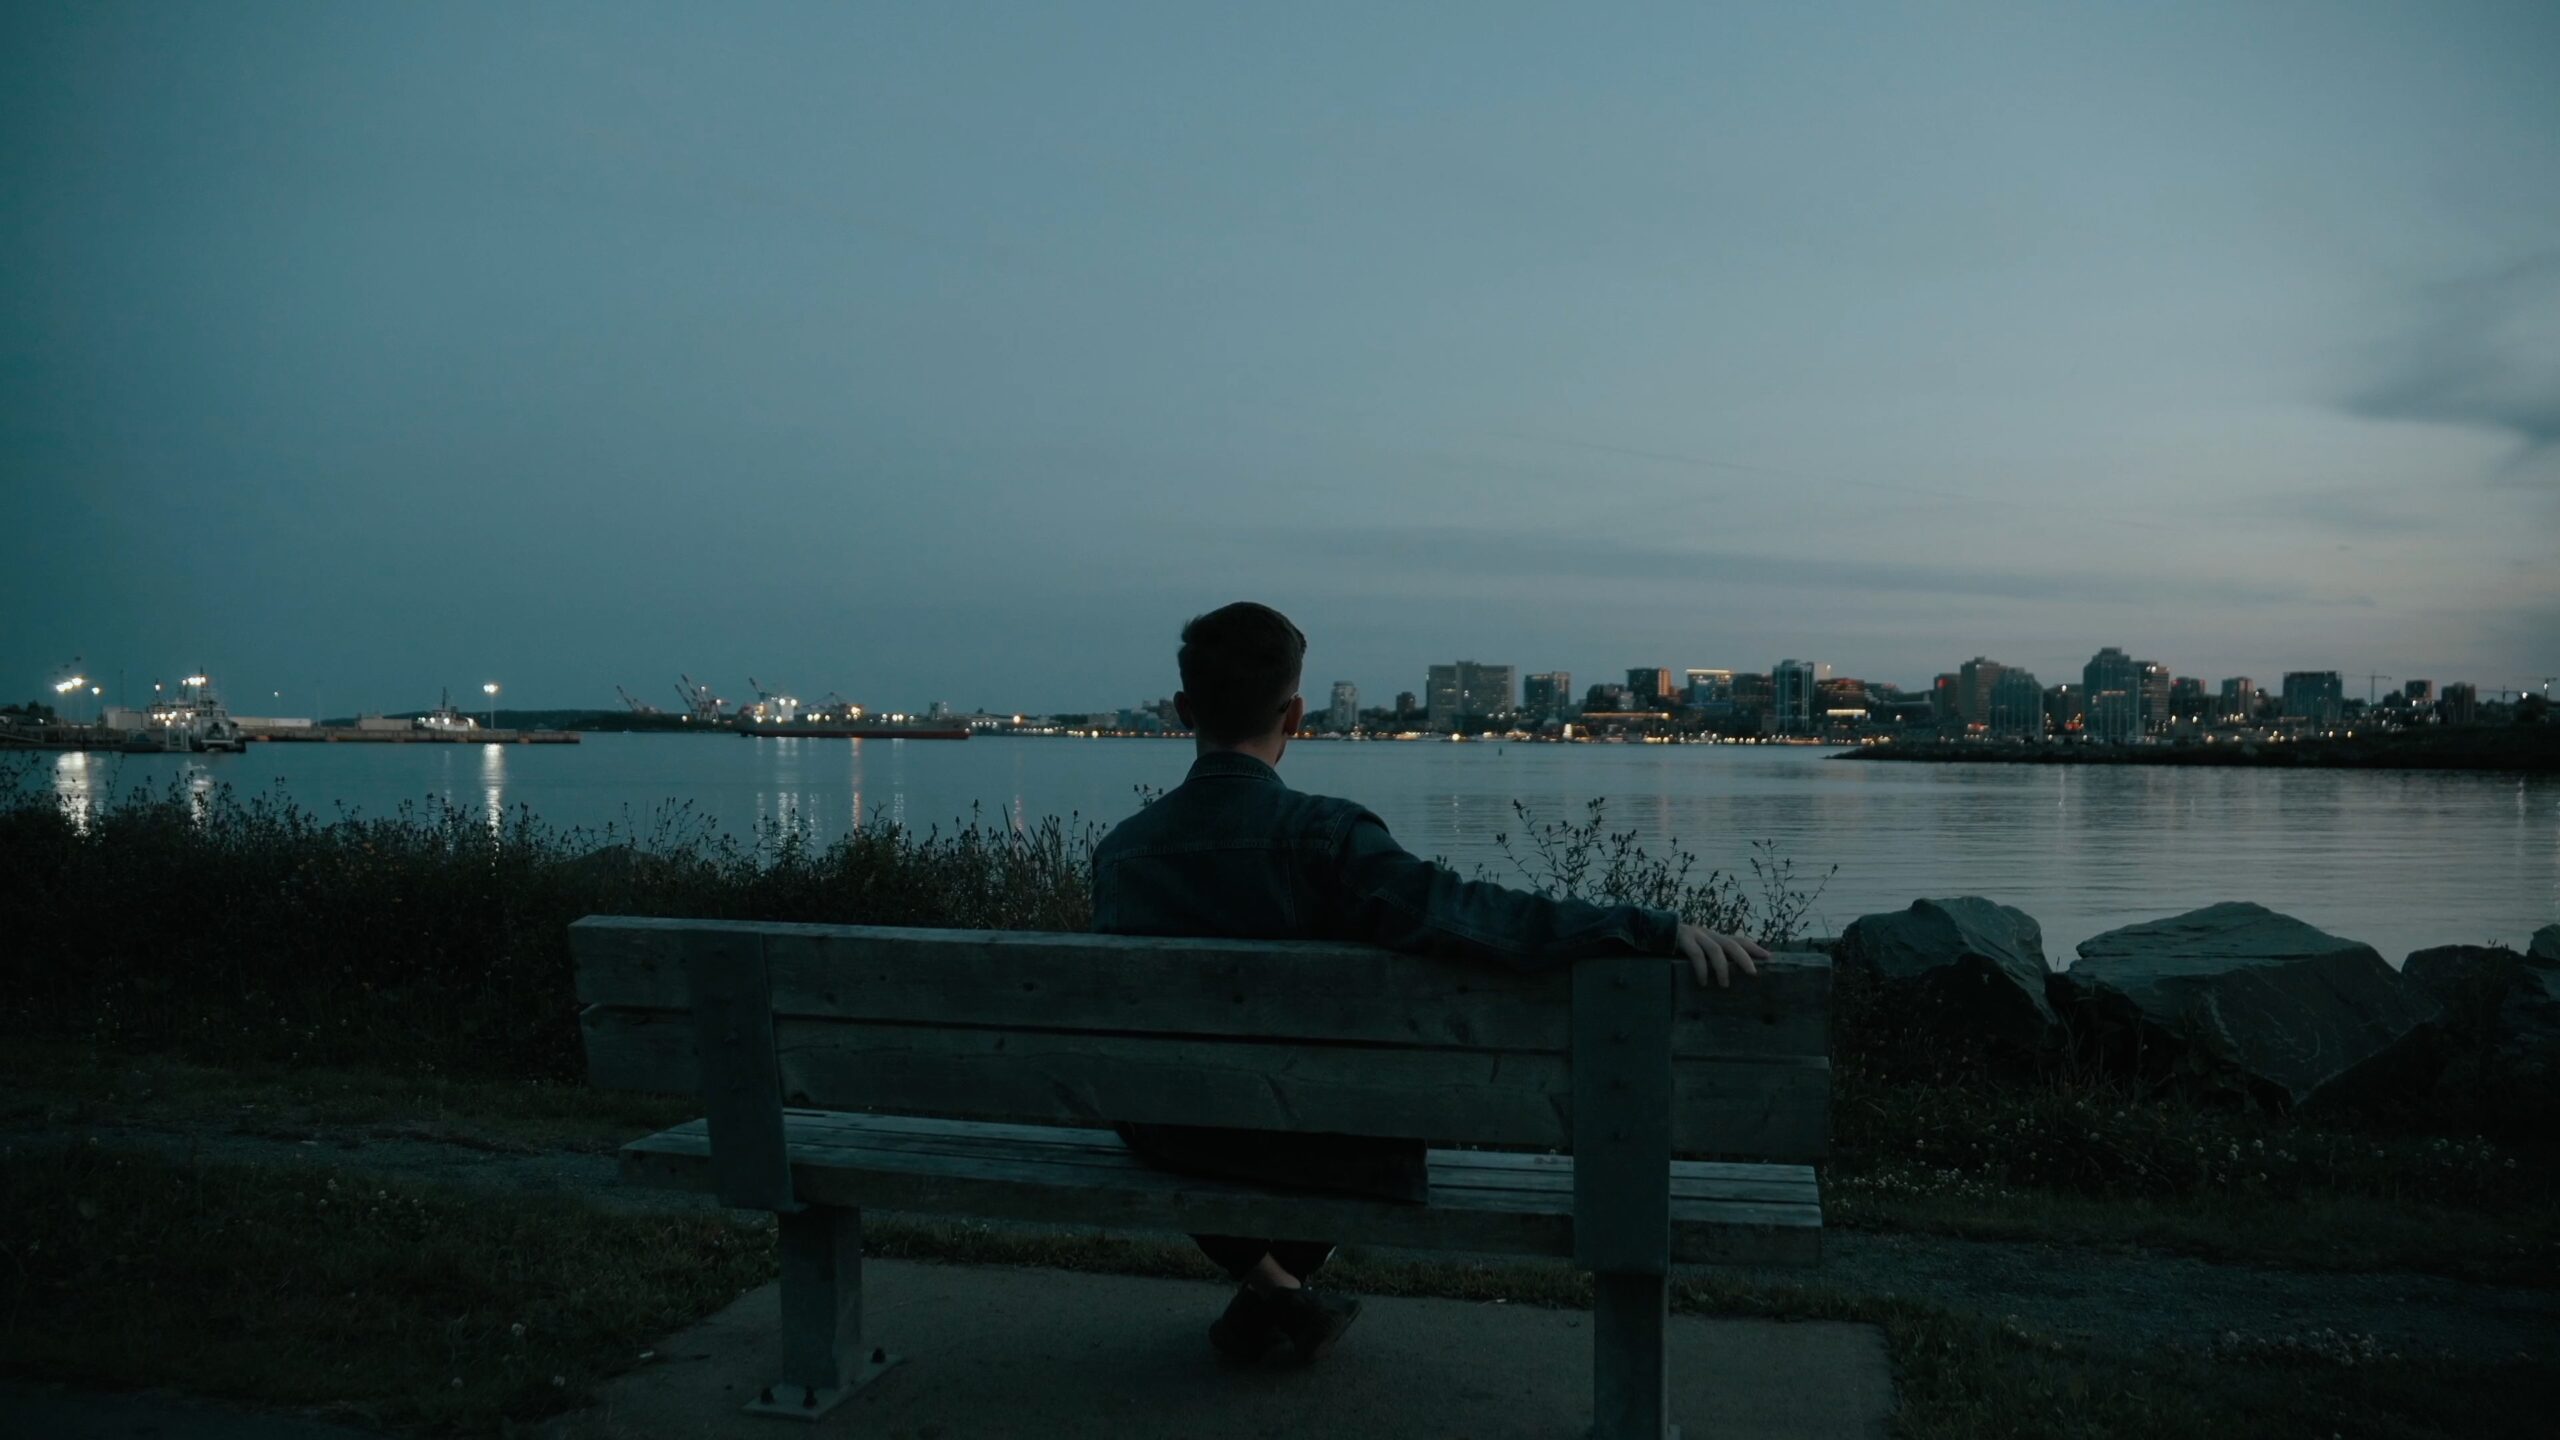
2401,859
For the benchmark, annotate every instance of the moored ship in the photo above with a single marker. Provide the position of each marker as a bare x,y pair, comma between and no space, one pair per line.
848,730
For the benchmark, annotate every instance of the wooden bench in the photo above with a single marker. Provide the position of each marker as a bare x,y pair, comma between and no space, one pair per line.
967,1072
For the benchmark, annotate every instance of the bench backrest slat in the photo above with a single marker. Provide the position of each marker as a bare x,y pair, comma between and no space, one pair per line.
1073,1028
1260,989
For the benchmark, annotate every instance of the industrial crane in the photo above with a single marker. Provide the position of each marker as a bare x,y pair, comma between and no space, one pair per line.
699,703
770,706
2370,681
634,701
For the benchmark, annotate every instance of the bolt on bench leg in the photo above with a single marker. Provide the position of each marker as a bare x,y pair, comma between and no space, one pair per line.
823,1358
1631,1377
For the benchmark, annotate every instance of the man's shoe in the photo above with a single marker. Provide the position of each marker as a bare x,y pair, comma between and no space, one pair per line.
1250,1328
1313,1320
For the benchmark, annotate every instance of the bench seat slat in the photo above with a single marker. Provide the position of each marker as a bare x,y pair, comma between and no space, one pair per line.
1089,1177
1562,1165
1450,1170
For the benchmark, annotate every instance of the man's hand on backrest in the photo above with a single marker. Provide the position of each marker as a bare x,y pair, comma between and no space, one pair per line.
1712,953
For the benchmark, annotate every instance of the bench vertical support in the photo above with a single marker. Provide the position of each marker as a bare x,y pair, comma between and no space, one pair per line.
823,1357
741,1075
1622,1015
1630,1375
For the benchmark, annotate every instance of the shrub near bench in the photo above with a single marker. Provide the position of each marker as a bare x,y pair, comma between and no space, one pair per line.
967,1072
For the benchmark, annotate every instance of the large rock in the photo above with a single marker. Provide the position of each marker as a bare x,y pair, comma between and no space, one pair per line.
2470,982
2502,1010
2545,949
1966,966
2237,998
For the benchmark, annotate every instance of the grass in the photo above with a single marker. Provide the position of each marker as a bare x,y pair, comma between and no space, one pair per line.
427,1310
65,1085
408,1306
2077,1159
247,931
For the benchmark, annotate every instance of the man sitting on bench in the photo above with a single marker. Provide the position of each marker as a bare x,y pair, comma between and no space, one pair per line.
1234,853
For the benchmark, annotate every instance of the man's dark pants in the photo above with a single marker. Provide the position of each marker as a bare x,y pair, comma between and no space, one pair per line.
1377,1167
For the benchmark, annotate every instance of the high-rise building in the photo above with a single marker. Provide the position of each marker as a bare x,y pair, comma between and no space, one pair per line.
1791,697
1440,693
1343,715
2461,703
2016,704
2239,697
1706,687
1547,695
1974,681
1753,693
1468,689
2315,696
2155,697
2111,705
2186,701
2062,712
2419,692
1651,687
1407,703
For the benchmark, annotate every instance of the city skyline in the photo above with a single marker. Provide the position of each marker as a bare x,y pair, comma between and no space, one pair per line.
912,351
104,686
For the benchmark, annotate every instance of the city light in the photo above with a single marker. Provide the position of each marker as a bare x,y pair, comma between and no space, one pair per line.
491,690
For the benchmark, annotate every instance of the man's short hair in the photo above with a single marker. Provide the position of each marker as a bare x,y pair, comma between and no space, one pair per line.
1240,667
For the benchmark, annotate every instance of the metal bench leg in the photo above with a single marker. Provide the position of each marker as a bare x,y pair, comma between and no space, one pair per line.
1631,1389
823,1358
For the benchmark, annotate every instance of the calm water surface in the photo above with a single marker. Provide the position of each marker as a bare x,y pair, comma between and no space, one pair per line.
2399,859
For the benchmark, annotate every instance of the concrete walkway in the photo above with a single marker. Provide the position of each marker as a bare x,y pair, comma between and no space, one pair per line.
999,1351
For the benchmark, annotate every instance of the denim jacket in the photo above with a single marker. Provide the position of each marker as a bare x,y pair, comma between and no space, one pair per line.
1233,852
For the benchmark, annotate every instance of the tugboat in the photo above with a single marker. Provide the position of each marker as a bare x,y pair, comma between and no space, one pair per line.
444,719
196,724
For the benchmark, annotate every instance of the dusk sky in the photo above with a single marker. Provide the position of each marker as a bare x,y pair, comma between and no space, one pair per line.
960,352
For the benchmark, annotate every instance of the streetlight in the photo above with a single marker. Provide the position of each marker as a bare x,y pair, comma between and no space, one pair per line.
491,690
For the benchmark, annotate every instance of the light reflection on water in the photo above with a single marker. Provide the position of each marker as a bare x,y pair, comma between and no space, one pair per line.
493,785
2400,859
75,788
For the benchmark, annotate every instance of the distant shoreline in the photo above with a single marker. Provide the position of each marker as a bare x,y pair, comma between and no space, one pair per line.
2530,749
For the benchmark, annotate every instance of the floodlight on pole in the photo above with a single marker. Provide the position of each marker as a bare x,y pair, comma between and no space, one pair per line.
491,690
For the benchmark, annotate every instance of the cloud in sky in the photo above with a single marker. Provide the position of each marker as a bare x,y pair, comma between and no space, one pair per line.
2483,352
1530,555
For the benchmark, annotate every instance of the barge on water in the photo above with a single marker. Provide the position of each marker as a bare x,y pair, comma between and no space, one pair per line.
364,735
852,730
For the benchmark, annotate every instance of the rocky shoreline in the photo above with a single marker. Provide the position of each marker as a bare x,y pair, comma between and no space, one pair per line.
2231,1002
